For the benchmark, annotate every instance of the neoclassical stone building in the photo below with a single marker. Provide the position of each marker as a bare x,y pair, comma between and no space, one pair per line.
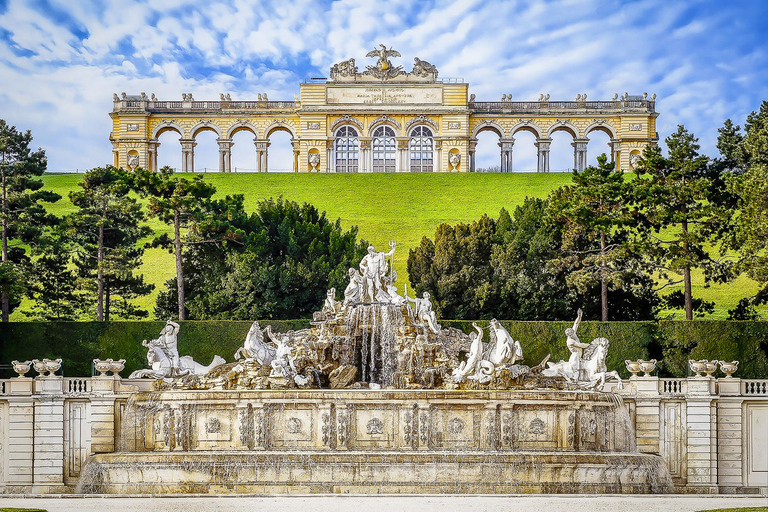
384,119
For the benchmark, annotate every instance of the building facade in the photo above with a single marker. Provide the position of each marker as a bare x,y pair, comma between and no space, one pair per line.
383,119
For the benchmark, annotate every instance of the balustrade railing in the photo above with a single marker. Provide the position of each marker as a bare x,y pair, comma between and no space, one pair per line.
538,106
164,106
754,387
77,386
3,387
673,386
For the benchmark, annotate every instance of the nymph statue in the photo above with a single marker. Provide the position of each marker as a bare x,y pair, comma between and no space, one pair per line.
423,311
353,293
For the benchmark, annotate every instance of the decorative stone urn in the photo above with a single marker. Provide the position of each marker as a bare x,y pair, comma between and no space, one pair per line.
454,159
102,366
728,368
698,367
314,161
710,367
116,366
647,367
47,365
633,367
21,367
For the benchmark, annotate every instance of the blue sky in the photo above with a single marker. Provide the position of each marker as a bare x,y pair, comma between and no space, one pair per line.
60,62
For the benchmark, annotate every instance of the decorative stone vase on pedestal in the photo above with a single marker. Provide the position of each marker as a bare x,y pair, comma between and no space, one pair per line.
647,367
22,368
710,367
729,368
633,367
697,367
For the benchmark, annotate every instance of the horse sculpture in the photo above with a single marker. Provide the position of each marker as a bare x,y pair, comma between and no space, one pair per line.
593,372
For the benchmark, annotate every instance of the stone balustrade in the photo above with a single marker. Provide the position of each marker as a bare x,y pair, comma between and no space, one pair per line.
711,432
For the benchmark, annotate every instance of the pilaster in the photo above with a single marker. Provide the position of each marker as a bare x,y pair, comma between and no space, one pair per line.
701,433
48,468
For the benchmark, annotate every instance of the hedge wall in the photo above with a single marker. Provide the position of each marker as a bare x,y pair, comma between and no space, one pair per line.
670,342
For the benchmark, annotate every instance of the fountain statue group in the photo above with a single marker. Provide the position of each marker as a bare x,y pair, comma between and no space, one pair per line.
376,337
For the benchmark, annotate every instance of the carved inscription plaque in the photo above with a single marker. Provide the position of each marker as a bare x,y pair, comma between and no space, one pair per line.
384,95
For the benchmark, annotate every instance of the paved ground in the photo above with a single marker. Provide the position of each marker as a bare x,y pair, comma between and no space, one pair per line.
479,503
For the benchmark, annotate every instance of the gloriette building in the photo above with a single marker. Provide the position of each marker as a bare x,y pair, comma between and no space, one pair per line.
383,119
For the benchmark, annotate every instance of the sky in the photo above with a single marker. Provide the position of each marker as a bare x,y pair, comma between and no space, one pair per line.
60,62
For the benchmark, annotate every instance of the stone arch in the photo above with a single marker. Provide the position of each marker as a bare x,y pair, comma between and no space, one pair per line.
565,126
280,126
205,125
242,126
603,126
347,119
421,120
525,126
385,120
167,126
487,125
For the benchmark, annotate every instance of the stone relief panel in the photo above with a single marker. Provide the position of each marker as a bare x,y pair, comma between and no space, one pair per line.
292,427
536,428
213,428
373,427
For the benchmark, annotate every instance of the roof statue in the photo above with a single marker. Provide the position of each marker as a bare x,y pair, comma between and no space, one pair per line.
383,70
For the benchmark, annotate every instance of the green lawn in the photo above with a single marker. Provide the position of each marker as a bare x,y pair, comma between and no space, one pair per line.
403,207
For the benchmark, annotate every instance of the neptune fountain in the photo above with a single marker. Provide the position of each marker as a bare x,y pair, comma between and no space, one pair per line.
376,397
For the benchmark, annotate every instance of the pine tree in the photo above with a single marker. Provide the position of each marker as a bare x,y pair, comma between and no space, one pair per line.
106,230
22,216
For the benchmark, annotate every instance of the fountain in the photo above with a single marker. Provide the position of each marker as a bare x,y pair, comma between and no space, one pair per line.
377,397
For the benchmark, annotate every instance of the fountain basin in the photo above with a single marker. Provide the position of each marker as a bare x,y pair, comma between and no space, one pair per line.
375,441
360,472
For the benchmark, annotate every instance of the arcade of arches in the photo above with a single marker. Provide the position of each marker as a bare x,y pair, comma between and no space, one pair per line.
381,120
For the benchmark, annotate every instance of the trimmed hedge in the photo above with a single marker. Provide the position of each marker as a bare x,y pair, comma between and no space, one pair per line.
671,342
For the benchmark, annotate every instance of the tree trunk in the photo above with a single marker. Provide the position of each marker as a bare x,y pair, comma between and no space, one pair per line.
603,281
100,276
3,208
106,302
688,292
179,269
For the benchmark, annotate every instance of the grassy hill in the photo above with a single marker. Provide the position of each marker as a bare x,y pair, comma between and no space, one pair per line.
403,207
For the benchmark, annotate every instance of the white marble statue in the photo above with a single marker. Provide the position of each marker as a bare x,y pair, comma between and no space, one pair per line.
163,357
505,350
329,306
586,366
374,268
282,364
353,293
472,364
423,311
255,348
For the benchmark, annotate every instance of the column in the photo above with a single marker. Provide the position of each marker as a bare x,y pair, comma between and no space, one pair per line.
614,146
506,154
20,429
401,161
542,145
330,165
438,156
261,154
365,154
701,473
296,154
580,154
102,417
730,442
225,155
472,148
48,470
188,155
152,154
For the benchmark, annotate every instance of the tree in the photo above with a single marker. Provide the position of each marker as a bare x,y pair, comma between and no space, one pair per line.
677,222
592,209
106,231
750,236
283,259
456,269
22,216
180,202
54,288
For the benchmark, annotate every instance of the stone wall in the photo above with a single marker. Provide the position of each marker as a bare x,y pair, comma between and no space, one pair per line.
713,433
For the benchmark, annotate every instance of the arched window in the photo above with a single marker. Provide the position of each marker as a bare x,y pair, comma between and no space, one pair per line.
421,150
383,147
347,148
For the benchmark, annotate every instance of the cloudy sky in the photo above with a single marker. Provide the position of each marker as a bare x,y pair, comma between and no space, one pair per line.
60,61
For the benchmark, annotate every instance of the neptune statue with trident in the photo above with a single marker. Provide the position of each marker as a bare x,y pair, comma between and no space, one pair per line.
374,268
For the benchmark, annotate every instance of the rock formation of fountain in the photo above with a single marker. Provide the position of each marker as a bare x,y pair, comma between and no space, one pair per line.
374,398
